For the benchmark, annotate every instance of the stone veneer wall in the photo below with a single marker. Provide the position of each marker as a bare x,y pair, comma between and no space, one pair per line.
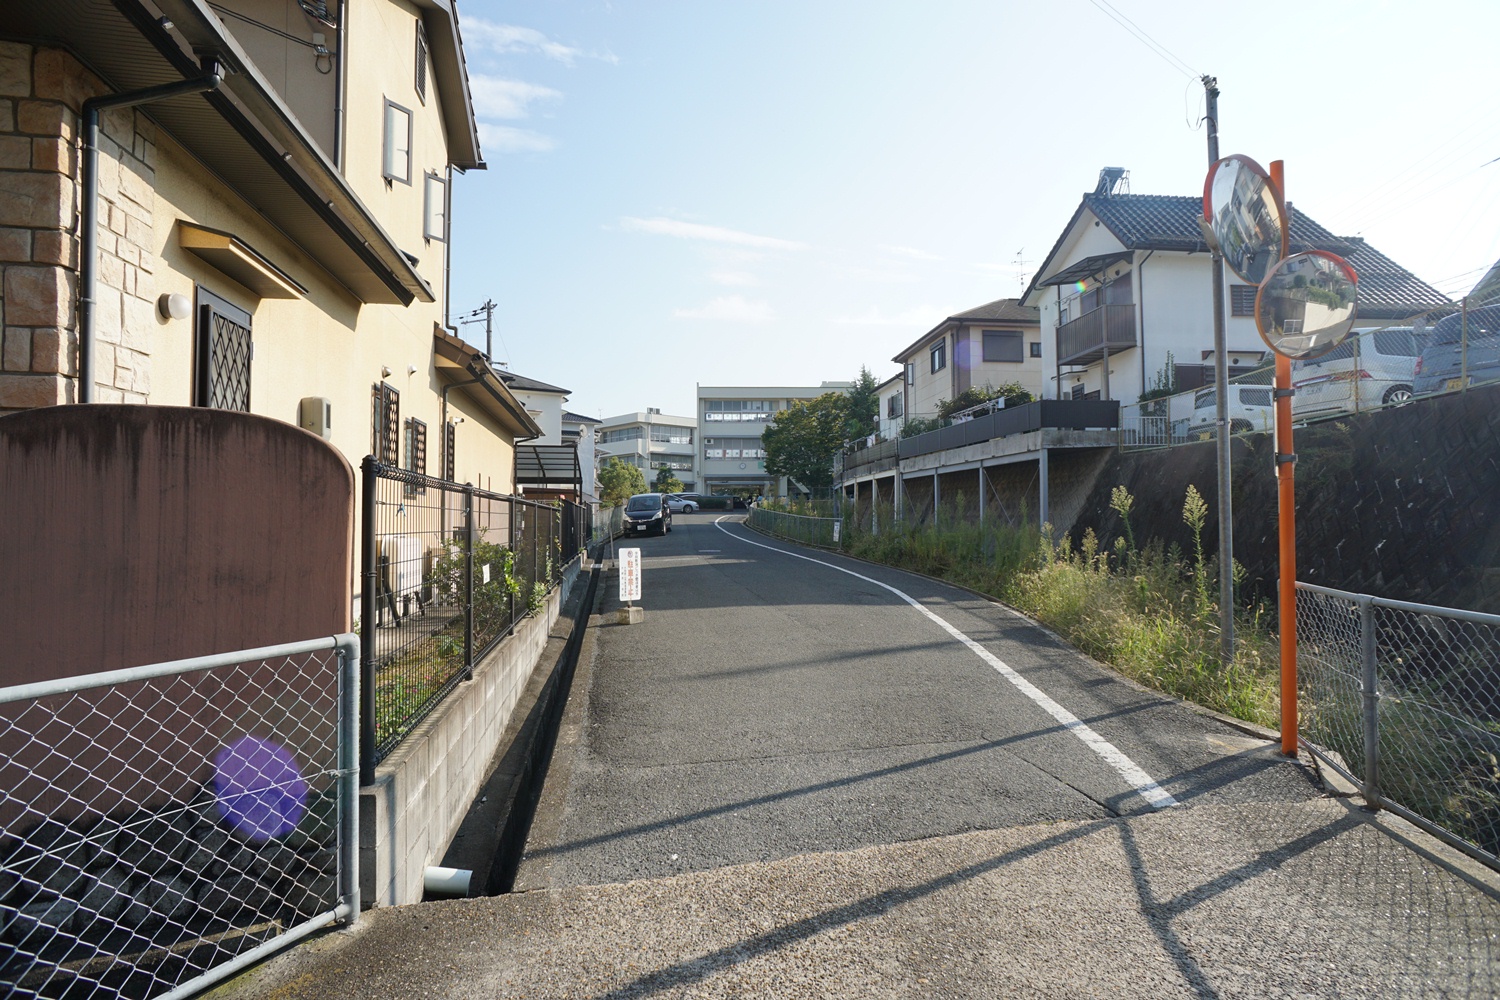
42,91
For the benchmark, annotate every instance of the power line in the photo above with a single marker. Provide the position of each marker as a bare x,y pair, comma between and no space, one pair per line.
1145,39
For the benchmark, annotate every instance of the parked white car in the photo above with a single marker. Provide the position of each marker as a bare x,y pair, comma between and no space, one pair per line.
1370,369
1249,409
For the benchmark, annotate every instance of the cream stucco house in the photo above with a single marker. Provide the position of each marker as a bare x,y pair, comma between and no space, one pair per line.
1127,290
266,227
990,345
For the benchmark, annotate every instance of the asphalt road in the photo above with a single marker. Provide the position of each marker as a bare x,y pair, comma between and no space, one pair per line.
770,705
790,782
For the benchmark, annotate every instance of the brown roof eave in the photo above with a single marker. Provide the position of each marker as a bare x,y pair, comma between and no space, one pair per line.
249,103
467,364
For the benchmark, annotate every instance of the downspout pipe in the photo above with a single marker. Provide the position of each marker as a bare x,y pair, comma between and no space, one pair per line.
88,219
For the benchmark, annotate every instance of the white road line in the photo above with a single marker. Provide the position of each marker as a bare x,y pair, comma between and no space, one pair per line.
1112,755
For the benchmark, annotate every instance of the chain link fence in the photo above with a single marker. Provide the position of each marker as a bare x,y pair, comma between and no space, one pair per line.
162,827
823,532
449,570
1404,700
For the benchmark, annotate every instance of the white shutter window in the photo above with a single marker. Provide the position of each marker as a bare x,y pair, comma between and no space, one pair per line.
436,197
397,160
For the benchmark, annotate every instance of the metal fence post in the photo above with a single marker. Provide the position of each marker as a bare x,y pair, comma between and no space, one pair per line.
367,625
468,581
350,738
515,510
1371,701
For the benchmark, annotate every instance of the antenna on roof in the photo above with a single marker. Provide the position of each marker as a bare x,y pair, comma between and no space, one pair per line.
1113,180
1021,263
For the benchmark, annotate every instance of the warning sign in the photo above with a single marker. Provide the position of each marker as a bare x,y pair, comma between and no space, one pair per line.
630,574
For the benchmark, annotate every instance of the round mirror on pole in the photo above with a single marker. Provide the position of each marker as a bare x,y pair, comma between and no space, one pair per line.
1244,209
1306,306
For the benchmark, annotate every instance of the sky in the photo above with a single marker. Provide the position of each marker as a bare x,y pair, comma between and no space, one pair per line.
780,192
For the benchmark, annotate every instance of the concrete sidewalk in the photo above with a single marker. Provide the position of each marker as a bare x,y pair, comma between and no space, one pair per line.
1250,900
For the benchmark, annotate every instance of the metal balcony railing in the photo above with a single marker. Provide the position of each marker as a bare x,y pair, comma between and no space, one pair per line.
1084,340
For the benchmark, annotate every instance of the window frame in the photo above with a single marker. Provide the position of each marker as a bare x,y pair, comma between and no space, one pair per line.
1036,348
434,195
1238,294
385,424
937,356
419,77
388,146
1015,339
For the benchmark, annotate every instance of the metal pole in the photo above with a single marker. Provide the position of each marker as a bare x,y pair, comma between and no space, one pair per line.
1370,692
350,665
1286,520
1042,489
369,480
515,510
1221,379
468,581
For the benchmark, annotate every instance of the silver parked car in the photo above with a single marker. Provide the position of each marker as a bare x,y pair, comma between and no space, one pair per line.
1461,348
1372,368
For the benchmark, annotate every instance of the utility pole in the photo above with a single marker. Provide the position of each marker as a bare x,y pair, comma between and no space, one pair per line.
1221,414
489,326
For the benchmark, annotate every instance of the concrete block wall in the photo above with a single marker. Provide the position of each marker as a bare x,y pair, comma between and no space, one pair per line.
423,790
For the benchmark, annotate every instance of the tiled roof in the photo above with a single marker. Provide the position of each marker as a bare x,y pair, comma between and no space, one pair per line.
1002,311
524,384
1170,222
578,418
999,311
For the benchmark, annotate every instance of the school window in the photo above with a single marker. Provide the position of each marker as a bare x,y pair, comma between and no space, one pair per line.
939,356
435,210
1002,345
1242,300
397,159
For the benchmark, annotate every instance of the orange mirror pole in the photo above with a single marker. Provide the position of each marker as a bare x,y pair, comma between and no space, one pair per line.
1286,521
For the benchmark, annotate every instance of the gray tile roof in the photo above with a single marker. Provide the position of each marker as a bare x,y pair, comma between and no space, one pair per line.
521,382
1002,311
1170,222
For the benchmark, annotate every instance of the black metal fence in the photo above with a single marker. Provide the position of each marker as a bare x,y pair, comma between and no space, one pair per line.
448,571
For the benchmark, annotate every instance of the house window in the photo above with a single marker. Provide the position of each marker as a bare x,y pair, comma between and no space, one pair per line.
939,356
222,355
895,406
1036,348
435,209
1003,345
421,76
450,442
397,159
1077,392
1242,300
385,424
416,453
911,373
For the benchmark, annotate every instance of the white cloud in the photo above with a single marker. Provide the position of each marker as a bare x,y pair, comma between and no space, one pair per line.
712,234
738,278
730,309
496,97
505,139
923,317
481,33
911,252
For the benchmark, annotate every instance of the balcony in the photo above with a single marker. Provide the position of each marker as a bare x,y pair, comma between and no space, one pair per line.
1084,340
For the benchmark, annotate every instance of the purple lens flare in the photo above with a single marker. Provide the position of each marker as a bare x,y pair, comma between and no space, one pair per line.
259,789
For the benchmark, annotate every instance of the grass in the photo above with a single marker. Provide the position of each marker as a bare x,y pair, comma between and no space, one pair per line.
1149,614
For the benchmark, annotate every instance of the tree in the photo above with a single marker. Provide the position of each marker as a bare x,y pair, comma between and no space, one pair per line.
666,482
619,481
803,439
864,406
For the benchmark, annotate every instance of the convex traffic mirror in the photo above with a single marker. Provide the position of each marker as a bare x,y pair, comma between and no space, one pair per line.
1306,305
1244,210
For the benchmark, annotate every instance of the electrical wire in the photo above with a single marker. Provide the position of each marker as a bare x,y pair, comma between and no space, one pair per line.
1144,38
321,50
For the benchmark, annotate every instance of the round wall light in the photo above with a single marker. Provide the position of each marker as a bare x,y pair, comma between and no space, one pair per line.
174,305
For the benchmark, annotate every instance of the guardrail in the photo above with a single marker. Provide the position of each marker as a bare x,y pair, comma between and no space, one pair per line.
164,826
1402,699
